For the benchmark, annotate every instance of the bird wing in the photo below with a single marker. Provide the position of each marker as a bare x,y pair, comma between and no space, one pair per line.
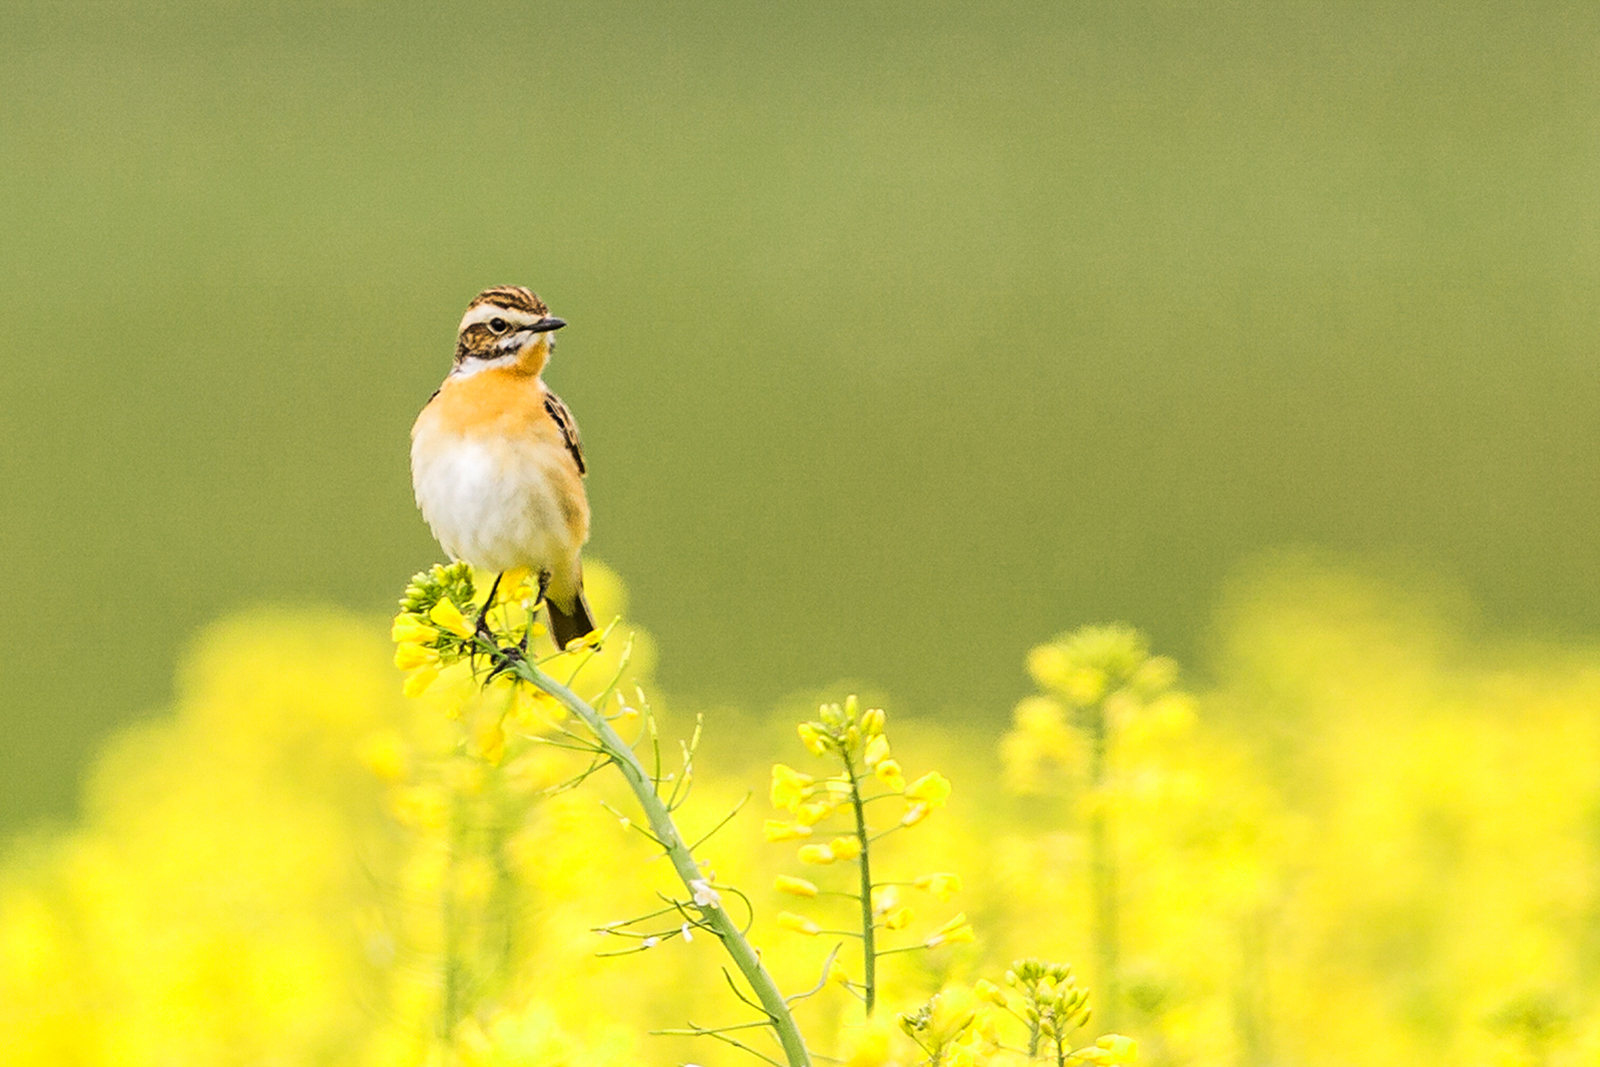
568,427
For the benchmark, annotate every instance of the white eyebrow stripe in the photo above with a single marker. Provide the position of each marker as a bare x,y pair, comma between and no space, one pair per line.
485,312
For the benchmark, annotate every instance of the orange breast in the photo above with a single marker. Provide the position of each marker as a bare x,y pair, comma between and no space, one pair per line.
499,401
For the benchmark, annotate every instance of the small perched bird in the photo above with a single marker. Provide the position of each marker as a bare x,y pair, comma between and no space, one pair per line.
496,460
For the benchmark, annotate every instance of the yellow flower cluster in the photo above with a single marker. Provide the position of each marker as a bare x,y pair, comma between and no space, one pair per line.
868,775
961,1025
1098,682
1373,846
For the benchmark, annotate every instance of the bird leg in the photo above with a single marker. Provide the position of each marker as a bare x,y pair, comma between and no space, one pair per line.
533,613
482,626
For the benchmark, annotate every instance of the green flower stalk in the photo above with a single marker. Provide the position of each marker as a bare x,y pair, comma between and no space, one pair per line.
1097,681
854,738
432,632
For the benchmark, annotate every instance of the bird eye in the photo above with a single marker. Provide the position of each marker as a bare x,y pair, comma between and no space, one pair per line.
499,326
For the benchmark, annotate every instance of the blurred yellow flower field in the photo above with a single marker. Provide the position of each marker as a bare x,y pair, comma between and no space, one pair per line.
1372,840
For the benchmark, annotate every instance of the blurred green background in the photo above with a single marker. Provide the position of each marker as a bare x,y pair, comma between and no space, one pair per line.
903,335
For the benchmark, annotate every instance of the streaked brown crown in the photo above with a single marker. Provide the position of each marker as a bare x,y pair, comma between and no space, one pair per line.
512,298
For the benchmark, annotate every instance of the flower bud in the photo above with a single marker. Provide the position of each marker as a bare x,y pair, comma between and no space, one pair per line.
798,887
845,848
775,830
798,923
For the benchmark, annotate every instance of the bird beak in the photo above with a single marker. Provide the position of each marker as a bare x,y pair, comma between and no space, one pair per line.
546,324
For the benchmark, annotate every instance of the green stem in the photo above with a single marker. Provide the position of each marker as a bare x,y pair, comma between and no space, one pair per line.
869,948
666,832
1102,863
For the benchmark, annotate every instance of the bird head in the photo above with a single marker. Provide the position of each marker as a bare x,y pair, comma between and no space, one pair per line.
505,326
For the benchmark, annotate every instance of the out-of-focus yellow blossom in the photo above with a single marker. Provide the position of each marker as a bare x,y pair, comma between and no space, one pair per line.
954,1010
385,755
778,830
818,855
986,990
789,786
888,772
418,681
845,848
899,918
798,923
942,885
489,739
932,789
1324,857
515,585
872,721
955,931
1121,1049
870,1046
946,1028
813,739
877,750
812,812
915,814
798,887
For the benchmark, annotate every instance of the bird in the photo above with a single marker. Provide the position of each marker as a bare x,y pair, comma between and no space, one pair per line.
497,462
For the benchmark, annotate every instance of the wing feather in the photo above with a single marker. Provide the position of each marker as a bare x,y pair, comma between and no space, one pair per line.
568,426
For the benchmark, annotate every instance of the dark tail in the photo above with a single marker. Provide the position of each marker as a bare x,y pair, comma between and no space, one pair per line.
569,623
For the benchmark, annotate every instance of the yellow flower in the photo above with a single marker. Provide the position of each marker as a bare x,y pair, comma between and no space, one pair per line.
798,887
837,974
877,750
408,655
872,721
932,789
956,930
489,740
820,855
418,680
789,786
775,830
915,814
813,739
813,811
798,923
1121,1049
448,617
513,586
942,885
888,772
899,918
954,1009
984,989
409,627
872,1047
845,848
1049,665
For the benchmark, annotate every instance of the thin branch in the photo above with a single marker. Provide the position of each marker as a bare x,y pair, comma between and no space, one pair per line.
740,994
666,832
631,825
822,983
725,820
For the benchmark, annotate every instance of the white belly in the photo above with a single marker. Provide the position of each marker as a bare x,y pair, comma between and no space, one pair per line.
494,506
